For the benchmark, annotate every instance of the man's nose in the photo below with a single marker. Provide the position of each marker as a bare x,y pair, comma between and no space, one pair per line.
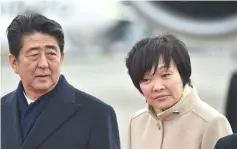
43,61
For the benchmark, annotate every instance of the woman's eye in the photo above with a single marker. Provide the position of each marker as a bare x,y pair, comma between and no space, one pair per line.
145,80
166,75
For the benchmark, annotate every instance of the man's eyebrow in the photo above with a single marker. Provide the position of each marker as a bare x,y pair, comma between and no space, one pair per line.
51,47
33,49
37,48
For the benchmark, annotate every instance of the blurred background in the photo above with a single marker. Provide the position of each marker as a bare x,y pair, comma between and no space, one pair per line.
99,34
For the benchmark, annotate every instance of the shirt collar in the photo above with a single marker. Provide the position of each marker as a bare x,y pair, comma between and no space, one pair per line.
29,101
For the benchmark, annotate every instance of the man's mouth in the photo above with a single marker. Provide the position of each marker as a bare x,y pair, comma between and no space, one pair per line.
41,76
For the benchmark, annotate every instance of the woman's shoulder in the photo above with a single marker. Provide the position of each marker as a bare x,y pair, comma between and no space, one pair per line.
141,114
206,112
139,118
138,113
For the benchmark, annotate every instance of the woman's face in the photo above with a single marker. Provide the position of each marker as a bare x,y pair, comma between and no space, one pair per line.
163,88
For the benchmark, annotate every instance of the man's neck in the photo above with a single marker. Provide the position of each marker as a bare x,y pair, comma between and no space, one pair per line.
35,94
29,101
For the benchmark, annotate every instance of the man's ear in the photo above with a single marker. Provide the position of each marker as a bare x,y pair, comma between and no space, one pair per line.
13,62
62,56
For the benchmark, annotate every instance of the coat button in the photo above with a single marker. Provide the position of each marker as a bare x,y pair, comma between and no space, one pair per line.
158,125
176,112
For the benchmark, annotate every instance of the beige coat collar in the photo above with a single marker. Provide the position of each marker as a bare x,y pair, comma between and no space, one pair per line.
184,105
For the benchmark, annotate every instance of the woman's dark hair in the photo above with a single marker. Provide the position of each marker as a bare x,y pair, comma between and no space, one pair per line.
146,53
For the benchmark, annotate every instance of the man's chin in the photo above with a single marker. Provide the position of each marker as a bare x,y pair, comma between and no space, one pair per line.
43,87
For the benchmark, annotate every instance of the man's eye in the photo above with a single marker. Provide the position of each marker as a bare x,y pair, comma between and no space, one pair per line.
51,53
33,55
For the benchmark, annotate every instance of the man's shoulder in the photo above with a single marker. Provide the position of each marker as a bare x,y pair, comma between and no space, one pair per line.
228,141
89,100
6,98
230,138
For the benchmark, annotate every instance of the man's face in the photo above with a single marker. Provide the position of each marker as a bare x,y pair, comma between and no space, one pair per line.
38,64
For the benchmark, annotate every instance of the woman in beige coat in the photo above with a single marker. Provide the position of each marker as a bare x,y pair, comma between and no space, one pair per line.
175,117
